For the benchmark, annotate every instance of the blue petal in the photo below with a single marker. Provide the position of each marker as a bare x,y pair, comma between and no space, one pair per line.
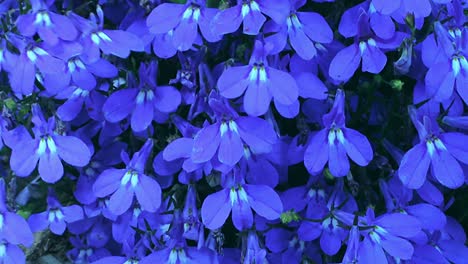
397,247
257,133
167,99
330,242
316,27
72,150
164,17
345,63
119,105
414,166
179,148
242,216
357,147
23,158
227,20
233,81
447,170
108,182
316,154
148,194
338,162
399,224
231,148
185,34
264,201
50,167
215,209
142,116
373,59
253,21
282,86
431,217
371,253
120,201
205,144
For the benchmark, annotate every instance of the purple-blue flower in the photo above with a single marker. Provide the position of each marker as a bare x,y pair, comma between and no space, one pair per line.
48,148
123,184
143,103
336,142
438,150
260,82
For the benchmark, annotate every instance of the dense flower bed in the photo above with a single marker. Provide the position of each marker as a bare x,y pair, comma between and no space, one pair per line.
256,131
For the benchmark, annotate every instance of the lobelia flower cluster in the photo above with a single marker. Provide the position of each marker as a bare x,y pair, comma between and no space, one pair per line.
248,131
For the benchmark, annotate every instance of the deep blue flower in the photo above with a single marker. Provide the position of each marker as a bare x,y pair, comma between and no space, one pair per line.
250,13
50,26
95,38
47,147
302,29
124,184
56,217
335,142
387,235
437,150
260,82
143,103
240,198
179,23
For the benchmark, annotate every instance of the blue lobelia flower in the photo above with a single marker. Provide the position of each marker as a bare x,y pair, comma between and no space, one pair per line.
329,220
50,26
260,82
95,38
56,217
143,103
180,23
368,48
47,147
335,142
229,133
398,198
176,249
380,23
302,29
124,184
387,235
13,228
240,198
446,58
251,14
253,253
7,59
437,150
78,69
444,246
10,253
33,58
418,8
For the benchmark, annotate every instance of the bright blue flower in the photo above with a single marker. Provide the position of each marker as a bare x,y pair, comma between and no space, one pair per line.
437,150
251,14
303,29
47,147
95,38
50,26
180,23
335,142
144,103
56,217
240,198
124,184
387,235
260,82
